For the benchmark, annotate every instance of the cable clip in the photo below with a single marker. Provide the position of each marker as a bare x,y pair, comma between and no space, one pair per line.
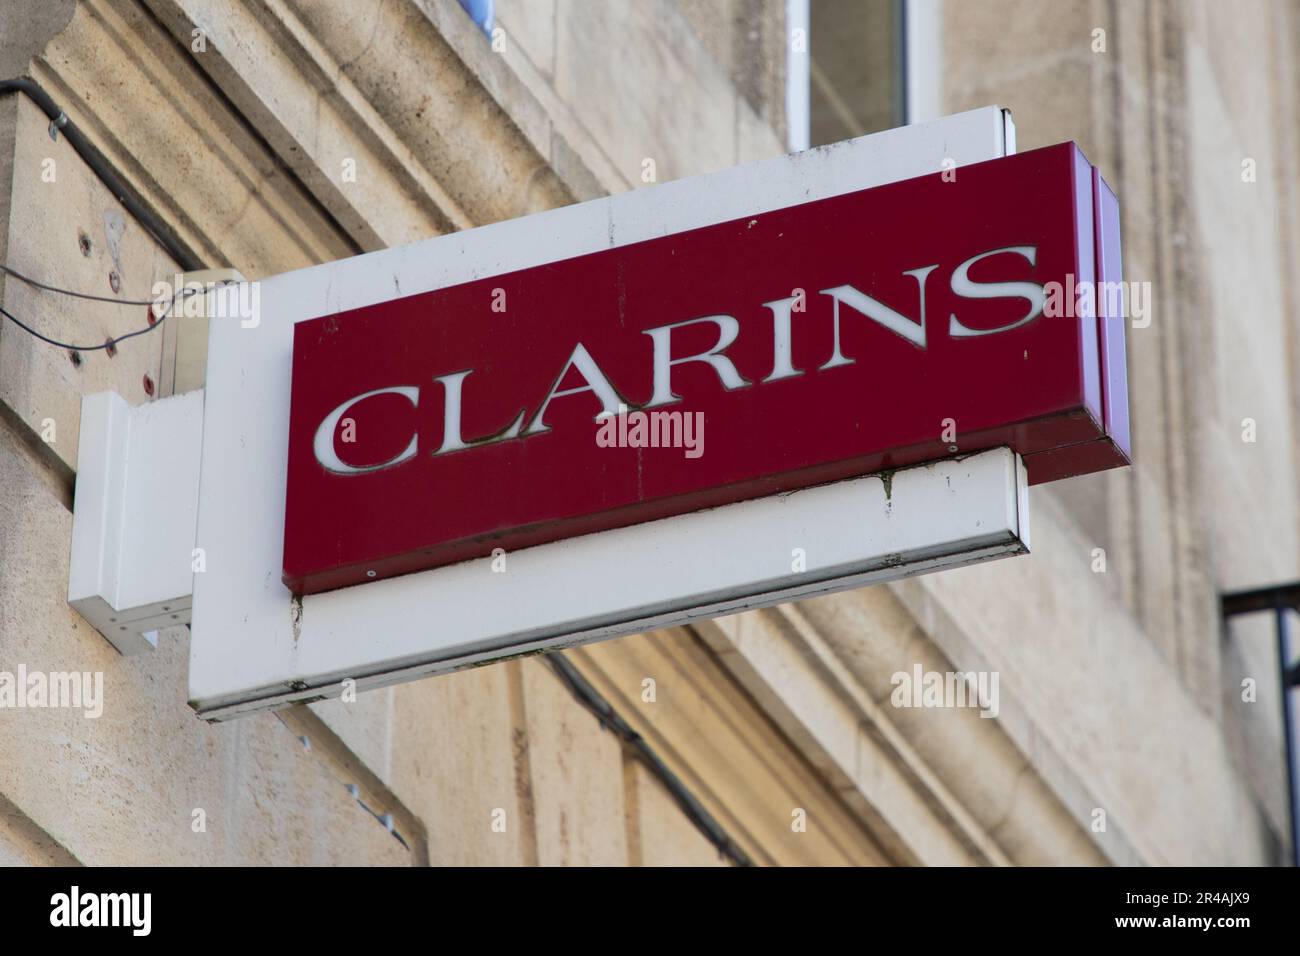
57,124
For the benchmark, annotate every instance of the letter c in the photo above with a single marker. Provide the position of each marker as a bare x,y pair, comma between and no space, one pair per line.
323,444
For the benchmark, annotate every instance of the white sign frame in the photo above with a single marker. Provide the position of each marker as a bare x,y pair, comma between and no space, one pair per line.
255,647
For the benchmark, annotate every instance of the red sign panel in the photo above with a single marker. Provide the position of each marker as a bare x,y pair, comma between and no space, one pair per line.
914,321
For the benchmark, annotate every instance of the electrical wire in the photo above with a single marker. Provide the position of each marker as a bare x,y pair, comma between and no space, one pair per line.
592,701
104,170
122,191
79,295
112,340
110,343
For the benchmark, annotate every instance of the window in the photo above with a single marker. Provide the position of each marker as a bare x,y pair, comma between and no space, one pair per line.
856,71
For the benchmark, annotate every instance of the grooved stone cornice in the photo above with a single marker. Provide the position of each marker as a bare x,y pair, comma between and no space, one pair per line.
349,131
141,98
443,132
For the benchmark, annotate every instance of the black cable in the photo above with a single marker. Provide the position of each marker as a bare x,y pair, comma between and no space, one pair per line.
102,168
76,348
121,191
592,701
79,295
112,341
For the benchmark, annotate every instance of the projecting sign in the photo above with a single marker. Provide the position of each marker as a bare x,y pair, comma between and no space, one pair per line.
662,405
753,356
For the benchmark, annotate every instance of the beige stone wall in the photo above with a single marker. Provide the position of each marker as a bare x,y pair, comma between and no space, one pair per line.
1116,688
1180,96
685,85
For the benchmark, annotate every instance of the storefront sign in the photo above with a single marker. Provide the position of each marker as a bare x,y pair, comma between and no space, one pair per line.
849,335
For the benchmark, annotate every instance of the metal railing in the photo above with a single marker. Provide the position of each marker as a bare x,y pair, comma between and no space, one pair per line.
1279,600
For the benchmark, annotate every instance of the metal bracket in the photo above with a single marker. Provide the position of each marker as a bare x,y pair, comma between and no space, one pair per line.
134,516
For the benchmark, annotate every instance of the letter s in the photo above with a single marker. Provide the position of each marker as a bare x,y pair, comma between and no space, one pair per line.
323,444
968,289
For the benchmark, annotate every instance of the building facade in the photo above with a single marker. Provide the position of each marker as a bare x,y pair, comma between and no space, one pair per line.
1133,725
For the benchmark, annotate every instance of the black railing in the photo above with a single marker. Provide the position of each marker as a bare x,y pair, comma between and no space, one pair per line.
1279,600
